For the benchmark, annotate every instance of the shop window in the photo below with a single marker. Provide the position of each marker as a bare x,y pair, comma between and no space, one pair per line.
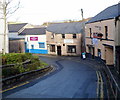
41,45
71,49
63,35
52,48
74,36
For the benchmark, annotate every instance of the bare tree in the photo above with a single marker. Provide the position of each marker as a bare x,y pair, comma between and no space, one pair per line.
6,10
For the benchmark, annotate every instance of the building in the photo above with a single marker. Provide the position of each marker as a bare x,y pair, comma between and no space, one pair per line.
35,40
64,38
16,42
101,35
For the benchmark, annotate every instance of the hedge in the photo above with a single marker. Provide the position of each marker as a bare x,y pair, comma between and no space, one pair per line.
17,59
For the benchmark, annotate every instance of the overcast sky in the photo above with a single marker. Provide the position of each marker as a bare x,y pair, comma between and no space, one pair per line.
40,11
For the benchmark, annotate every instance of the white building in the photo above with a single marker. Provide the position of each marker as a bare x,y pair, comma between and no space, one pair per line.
35,40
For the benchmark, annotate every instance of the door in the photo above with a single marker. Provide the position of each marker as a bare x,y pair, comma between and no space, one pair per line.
59,50
26,48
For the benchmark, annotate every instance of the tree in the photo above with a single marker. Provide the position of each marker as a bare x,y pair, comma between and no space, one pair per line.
6,10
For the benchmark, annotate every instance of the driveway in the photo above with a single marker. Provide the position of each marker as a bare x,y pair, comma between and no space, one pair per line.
72,79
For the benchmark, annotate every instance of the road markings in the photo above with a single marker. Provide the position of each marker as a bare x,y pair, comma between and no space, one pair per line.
100,91
101,85
97,84
14,87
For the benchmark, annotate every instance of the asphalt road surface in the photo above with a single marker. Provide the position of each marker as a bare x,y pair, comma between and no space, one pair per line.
72,79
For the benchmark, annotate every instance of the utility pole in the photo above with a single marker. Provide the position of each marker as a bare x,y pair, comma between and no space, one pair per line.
83,34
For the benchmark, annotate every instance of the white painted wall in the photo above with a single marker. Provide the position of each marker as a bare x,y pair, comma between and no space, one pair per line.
41,38
2,33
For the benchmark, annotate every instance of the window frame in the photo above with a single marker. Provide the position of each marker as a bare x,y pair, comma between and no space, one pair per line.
52,48
106,32
70,48
41,44
74,36
63,36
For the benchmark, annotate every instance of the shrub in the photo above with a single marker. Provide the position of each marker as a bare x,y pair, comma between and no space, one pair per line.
18,58
13,58
10,71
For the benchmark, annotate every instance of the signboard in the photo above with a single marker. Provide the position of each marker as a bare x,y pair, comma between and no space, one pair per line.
94,41
33,38
68,40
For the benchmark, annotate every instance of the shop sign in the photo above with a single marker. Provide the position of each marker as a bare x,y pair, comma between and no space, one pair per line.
68,40
95,41
33,38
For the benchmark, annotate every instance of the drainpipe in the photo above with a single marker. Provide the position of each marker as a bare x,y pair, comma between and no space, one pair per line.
117,42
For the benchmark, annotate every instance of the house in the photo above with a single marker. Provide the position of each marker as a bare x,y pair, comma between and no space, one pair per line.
35,40
64,38
16,42
101,35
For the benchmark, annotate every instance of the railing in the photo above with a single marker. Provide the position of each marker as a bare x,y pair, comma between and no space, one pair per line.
113,84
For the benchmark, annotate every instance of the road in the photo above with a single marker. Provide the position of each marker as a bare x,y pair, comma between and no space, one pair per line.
72,79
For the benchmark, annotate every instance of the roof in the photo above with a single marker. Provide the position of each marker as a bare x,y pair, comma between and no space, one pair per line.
33,31
109,13
15,27
64,28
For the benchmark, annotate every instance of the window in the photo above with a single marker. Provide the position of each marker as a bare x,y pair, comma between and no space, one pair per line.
52,48
90,32
74,36
41,45
71,49
63,35
106,32
52,36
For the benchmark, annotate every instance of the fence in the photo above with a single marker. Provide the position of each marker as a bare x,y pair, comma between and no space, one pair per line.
112,82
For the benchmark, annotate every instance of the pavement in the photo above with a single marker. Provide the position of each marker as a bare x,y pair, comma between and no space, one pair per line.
73,78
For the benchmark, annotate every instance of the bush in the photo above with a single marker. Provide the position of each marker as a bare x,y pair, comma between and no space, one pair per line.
13,58
18,58
10,71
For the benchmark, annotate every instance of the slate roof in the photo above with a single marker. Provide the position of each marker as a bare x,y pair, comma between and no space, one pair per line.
109,13
15,27
33,31
64,28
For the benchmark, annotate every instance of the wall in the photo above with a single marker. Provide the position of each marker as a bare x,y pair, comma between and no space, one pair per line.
2,34
17,46
101,43
29,43
59,41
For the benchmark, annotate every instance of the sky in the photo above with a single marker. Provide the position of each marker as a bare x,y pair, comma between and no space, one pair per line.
39,11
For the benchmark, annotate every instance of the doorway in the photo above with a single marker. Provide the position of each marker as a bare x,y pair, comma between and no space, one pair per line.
59,50
93,52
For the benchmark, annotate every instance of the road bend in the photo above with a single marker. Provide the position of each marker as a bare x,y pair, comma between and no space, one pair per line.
71,79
